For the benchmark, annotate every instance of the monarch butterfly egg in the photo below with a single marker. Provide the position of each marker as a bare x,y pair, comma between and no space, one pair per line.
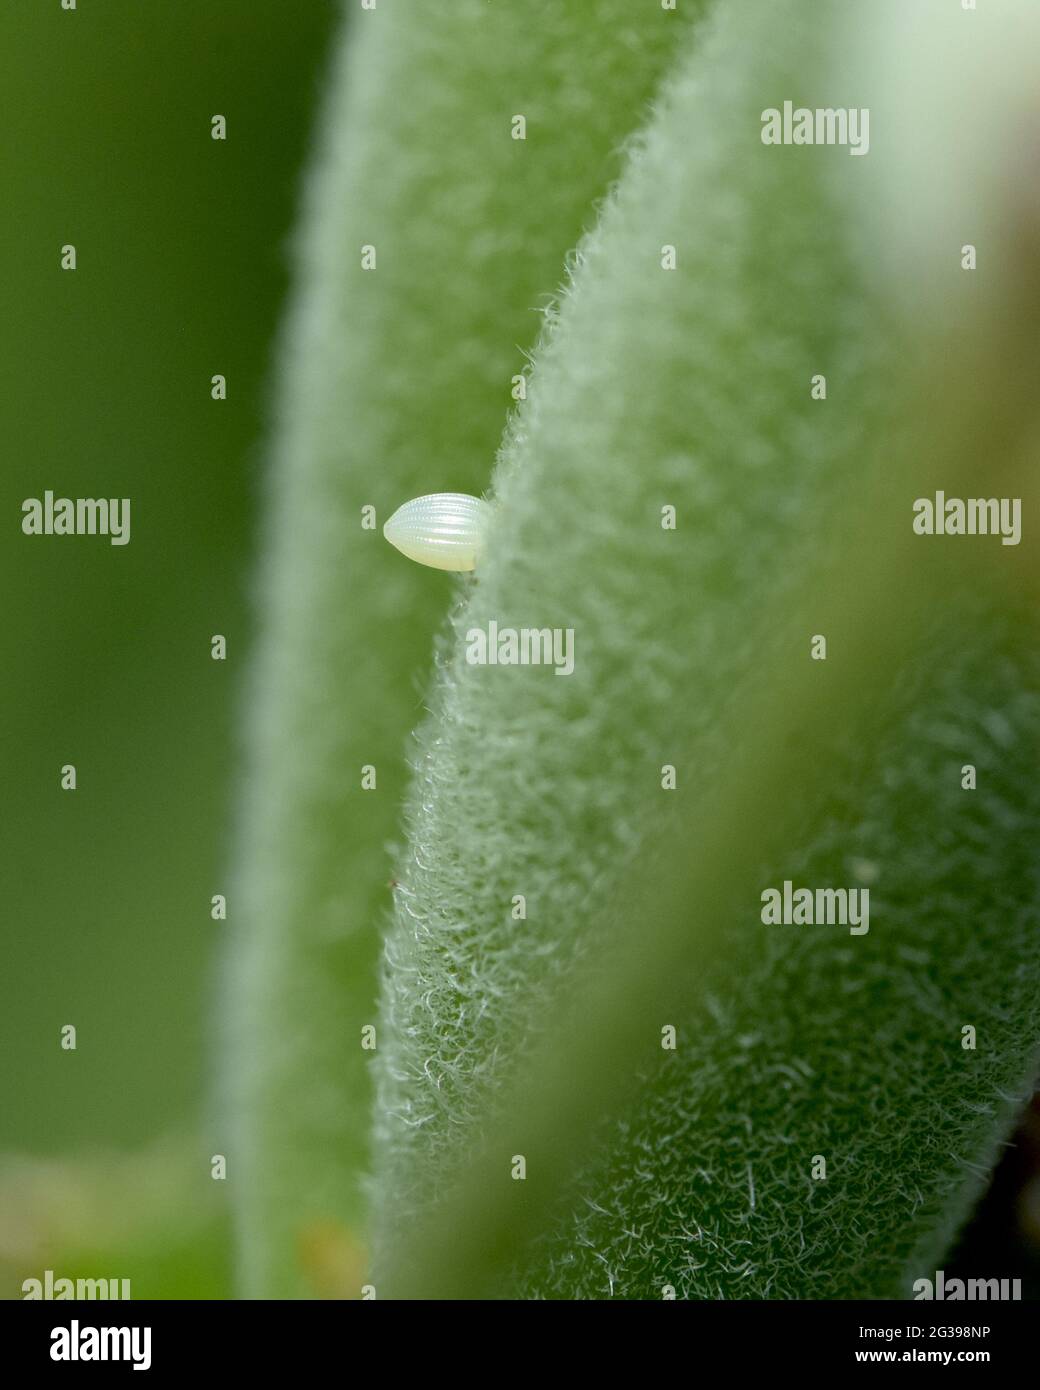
445,530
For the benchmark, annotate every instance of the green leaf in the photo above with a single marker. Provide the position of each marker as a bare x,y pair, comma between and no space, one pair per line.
541,1037
395,381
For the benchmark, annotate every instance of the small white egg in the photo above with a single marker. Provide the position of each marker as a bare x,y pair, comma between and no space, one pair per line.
444,530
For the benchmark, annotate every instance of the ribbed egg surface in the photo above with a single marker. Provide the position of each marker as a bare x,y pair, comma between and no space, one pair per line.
444,529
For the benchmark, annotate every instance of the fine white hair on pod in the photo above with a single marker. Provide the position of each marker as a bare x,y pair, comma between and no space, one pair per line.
445,530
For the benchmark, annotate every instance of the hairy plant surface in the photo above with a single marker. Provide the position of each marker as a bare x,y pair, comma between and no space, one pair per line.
396,381
718,279
797,1043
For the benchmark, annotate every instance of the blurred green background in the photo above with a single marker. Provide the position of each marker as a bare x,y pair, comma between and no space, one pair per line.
182,247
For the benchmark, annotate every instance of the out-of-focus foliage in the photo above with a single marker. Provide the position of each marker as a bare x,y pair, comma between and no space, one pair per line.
142,1215
105,379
